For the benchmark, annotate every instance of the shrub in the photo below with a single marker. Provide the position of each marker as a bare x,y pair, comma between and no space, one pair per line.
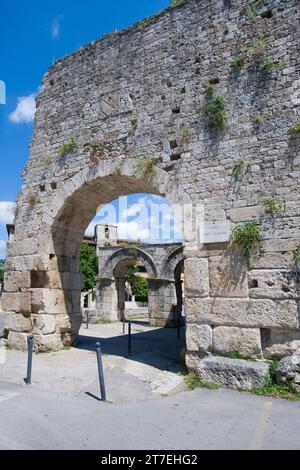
68,147
274,206
248,238
213,109
239,61
238,171
257,119
175,3
295,129
32,200
269,63
145,167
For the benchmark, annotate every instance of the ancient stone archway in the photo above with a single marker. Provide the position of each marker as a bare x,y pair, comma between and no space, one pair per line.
43,285
125,114
110,299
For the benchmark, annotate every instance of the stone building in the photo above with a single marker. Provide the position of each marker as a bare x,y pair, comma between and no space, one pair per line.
135,112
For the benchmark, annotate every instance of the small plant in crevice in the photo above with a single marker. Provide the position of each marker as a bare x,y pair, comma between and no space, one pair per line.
274,206
295,271
146,167
248,238
240,169
213,109
68,147
269,63
134,123
175,3
239,61
295,129
257,119
32,200
186,134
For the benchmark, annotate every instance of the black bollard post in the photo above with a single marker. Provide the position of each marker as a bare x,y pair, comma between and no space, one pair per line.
124,322
129,338
87,320
100,372
29,360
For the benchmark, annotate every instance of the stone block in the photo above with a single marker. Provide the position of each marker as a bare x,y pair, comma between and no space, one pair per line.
196,277
198,338
44,324
17,340
263,313
280,343
230,373
16,302
18,322
270,284
228,276
14,281
288,371
45,342
245,341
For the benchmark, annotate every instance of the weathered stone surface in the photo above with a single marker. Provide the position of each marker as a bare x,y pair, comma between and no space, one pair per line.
246,341
288,371
44,324
18,322
271,284
16,302
280,351
228,276
280,343
17,340
196,277
16,280
242,312
46,342
232,373
199,338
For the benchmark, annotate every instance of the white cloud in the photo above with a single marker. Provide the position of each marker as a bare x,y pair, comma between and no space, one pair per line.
132,231
56,27
2,249
24,111
7,212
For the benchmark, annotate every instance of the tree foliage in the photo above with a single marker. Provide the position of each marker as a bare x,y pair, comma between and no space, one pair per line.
138,284
88,266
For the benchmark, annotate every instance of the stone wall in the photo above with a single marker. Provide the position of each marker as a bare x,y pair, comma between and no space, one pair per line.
139,93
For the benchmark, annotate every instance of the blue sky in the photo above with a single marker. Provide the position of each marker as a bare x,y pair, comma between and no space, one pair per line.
32,34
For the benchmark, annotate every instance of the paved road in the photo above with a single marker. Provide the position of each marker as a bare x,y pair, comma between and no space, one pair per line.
203,419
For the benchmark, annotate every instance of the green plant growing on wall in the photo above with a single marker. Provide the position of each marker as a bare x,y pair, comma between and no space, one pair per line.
257,119
213,109
96,146
32,200
273,206
239,61
258,46
248,238
186,133
68,147
175,3
269,63
295,129
238,171
295,271
134,123
146,167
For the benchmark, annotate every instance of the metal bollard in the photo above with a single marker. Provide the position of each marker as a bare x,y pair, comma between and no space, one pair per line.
124,322
100,372
129,338
87,320
29,360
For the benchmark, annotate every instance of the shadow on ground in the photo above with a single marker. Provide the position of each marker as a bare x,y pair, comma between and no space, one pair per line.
154,347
